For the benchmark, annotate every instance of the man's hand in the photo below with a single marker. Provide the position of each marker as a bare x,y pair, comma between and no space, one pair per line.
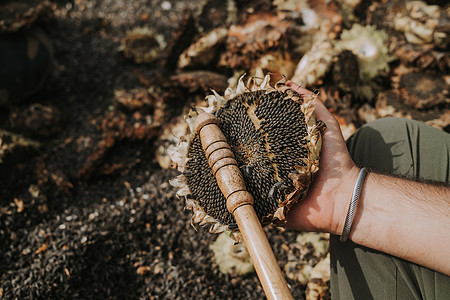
321,209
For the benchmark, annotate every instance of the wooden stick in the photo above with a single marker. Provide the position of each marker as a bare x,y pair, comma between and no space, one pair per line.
240,204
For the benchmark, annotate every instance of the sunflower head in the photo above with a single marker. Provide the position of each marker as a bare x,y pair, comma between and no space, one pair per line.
276,142
142,44
369,45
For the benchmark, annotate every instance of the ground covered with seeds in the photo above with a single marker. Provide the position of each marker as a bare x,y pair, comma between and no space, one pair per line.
86,210
75,226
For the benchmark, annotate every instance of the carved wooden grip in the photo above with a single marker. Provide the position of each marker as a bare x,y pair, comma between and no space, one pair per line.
222,162
240,203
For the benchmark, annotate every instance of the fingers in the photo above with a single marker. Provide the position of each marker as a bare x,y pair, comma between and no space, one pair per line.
321,111
298,89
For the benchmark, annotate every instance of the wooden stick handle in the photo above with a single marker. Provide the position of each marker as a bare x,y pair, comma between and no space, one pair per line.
240,204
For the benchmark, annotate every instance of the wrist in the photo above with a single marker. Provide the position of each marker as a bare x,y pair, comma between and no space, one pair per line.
342,197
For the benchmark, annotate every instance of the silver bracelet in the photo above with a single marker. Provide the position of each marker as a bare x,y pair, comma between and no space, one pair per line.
352,207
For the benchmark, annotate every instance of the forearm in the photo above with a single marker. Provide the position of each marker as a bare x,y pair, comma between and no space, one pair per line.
406,219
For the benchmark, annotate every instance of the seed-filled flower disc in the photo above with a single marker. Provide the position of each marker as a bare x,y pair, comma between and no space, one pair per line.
276,142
